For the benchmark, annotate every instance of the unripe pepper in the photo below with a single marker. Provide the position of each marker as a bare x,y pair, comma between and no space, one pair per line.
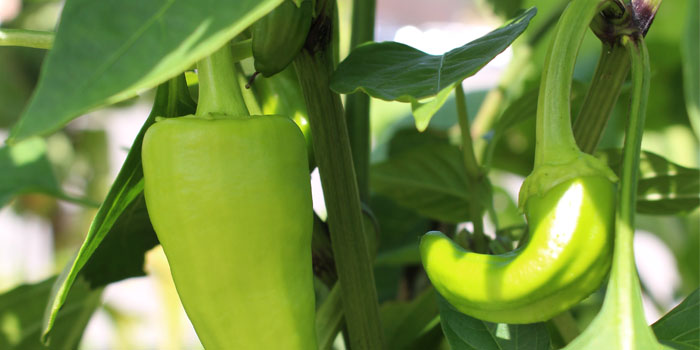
229,197
566,258
280,35
569,201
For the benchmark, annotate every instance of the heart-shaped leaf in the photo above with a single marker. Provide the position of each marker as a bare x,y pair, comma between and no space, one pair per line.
396,72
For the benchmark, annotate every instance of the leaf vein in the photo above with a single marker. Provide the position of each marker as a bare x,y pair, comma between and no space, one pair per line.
128,44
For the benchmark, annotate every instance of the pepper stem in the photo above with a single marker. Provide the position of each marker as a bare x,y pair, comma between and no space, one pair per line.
555,139
557,157
219,92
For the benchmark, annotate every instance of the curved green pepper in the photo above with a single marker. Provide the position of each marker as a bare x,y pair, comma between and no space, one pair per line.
229,197
569,202
567,257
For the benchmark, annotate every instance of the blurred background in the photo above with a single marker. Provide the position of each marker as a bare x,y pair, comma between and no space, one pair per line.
39,234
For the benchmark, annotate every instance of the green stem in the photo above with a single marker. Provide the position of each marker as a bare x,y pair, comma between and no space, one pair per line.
357,105
329,319
26,38
492,105
251,101
314,65
474,172
621,321
623,275
219,92
555,139
86,202
610,75
241,50
623,299
633,141
473,169
565,326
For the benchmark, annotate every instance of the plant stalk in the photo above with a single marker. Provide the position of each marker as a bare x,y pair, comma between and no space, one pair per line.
357,105
565,327
329,319
610,75
26,38
474,171
624,283
314,65
470,163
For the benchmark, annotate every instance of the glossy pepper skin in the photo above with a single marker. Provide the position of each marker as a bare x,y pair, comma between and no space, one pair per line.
230,201
566,258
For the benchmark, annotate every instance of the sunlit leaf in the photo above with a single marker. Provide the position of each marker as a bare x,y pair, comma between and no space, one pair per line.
396,72
107,51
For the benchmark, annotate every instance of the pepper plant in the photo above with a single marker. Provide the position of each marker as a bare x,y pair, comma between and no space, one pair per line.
420,245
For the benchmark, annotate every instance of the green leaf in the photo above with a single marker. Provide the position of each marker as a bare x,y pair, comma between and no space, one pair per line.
15,88
405,255
680,328
523,108
25,168
414,74
424,111
121,232
506,8
467,333
400,230
430,180
690,56
107,51
409,139
22,308
664,188
405,322
130,236
396,72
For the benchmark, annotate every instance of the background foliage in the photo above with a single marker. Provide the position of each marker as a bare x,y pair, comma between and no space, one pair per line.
415,177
